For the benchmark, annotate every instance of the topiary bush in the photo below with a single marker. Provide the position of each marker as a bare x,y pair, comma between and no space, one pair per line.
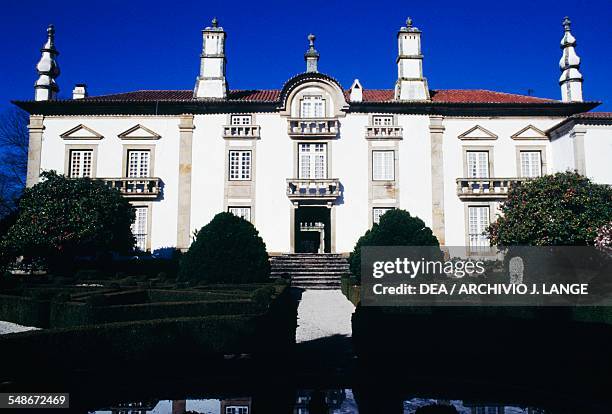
396,228
564,209
226,250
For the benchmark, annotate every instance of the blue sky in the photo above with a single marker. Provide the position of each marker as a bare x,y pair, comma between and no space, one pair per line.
125,45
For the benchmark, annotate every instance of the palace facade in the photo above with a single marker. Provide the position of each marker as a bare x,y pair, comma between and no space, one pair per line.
313,165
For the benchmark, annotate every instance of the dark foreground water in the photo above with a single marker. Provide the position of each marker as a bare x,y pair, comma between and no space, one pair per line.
340,401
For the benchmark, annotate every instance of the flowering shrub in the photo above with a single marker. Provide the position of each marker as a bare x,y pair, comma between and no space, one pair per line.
564,209
603,241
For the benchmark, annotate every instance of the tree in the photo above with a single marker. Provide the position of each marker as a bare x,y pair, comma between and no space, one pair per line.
226,250
13,157
61,218
564,209
396,228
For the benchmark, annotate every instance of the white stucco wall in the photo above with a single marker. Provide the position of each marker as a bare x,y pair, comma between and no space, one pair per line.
598,153
109,163
275,158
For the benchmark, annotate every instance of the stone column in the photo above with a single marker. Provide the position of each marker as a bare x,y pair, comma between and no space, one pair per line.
577,136
36,128
183,224
436,132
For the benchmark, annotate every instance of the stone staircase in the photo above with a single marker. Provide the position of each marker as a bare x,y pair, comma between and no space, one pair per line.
311,270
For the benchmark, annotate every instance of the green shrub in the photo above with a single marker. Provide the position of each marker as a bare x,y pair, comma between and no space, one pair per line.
560,209
61,218
226,250
263,296
397,228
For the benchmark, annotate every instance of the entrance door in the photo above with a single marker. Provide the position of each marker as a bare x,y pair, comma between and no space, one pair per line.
312,230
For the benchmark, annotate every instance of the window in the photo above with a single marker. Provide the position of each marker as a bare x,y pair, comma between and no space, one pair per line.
377,212
236,409
242,212
313,161
239,165
241,120
380,120
80,163
138,163
312,107
139,227
383,165
478,164
531,163
478,220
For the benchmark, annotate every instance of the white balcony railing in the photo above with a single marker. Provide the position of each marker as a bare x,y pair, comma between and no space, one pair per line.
148,187
241,131
313,127
383,131
485,187
324,188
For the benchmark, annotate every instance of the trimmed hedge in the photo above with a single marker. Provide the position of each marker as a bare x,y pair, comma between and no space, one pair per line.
226,250
127,343
24,310
75,314
190,342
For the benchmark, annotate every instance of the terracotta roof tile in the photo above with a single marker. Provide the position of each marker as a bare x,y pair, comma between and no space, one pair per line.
482,96
593,115
369,95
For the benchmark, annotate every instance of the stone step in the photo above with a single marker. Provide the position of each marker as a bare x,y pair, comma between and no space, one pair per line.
303,266
316,286
311,273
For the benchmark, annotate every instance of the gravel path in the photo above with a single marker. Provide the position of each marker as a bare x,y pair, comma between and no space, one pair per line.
9,327
323,313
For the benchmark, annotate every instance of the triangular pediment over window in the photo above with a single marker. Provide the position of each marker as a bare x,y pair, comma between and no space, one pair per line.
81,132
139,132
530,132
477,132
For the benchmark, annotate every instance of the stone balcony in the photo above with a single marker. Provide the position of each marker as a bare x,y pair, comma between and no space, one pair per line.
241,131
137,188
485,187
313,189
313,127
382,132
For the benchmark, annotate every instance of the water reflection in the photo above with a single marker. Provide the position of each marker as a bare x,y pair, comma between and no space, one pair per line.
340,401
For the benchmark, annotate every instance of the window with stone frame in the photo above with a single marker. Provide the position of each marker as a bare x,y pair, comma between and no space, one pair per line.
81,163
531,163
139,163
383,165
477,164
377,212
478,221
239,165
241,211
382,120
312,160
241,120
139,227
312,106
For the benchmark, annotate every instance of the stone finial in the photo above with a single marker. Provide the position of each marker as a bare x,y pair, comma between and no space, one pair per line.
311,56
48,69
571,78
215,22
408,22
567,23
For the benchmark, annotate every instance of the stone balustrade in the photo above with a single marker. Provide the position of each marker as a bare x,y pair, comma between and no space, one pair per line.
324,188
241,131
300,127
394,131
147,187
485,187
